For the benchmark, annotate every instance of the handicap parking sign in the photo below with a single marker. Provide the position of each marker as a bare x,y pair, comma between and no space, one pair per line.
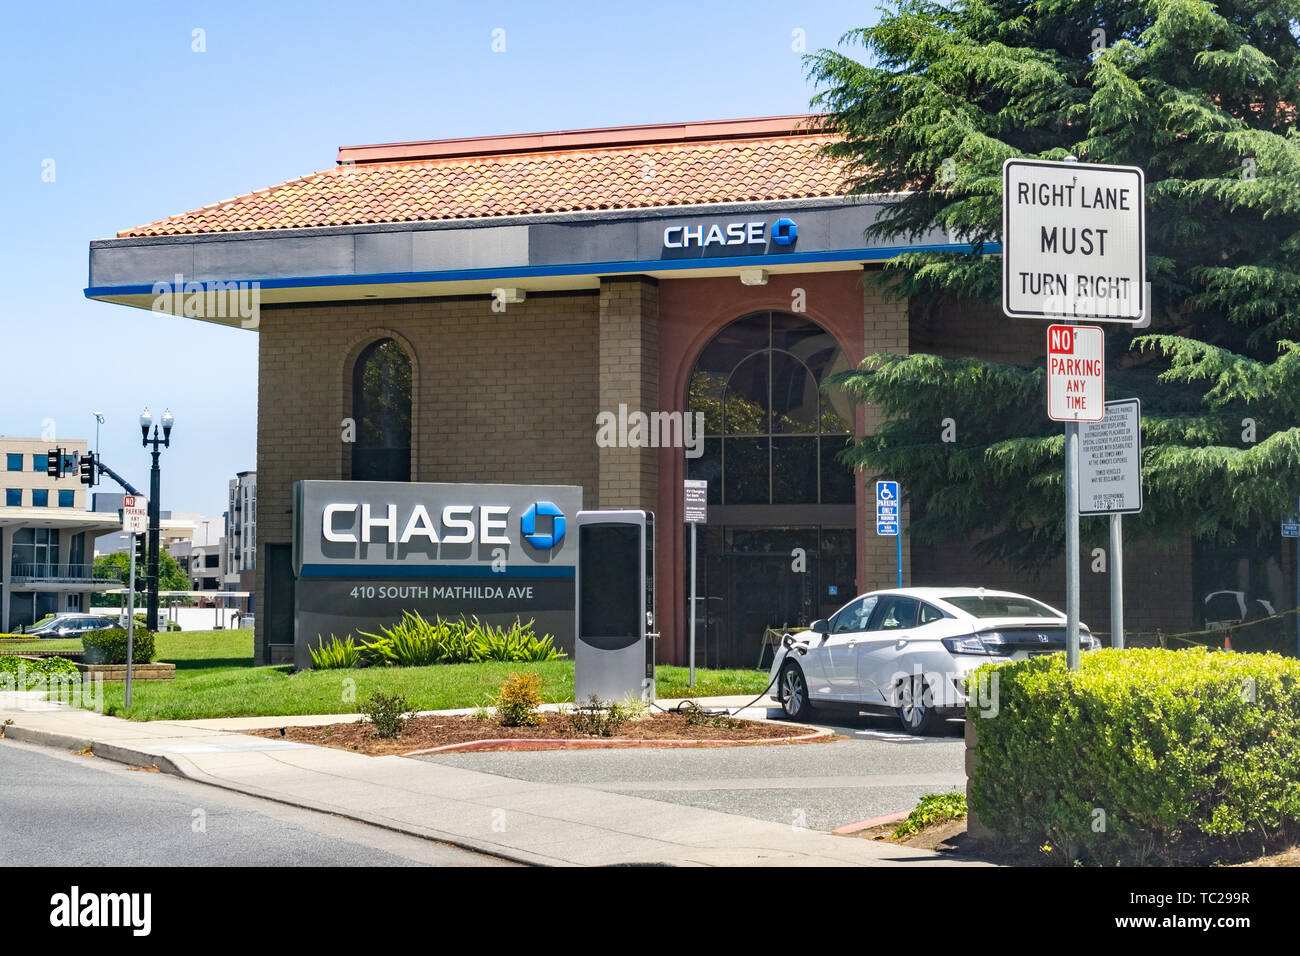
887,507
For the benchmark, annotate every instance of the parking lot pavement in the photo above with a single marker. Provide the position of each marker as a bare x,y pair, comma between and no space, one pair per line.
878,770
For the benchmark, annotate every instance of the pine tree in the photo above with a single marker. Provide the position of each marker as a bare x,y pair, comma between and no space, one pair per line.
1203,97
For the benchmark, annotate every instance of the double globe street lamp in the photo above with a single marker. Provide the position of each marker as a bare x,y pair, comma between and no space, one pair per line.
155,483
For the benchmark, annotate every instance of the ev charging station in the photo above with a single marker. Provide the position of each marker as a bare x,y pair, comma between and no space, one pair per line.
614,638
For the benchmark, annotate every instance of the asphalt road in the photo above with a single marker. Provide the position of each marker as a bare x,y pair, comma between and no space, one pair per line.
60,809
879,770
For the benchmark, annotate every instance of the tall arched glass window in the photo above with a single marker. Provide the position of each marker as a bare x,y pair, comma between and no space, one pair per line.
771,436
381,408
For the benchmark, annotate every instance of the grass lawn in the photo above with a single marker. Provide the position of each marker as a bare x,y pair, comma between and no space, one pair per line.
215,677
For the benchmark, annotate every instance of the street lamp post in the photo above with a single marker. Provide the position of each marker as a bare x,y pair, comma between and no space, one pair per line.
155,486
99,420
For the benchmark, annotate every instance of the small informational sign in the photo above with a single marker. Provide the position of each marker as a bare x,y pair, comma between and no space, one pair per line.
887,507
135,514
1076,373
1073,241
1110,461
1291,527
696,506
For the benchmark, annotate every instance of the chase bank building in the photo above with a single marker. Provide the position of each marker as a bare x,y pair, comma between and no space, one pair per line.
562,309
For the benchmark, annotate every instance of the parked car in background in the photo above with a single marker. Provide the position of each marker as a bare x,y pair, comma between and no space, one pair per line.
908,651
1226,608
72,625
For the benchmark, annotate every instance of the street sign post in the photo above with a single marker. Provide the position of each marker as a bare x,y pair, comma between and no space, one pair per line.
135,520
1110,462
1291,529
1073,241
1074,247
695,510
888,502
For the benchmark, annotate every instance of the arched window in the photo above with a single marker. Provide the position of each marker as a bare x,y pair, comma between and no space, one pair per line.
381,408
771,436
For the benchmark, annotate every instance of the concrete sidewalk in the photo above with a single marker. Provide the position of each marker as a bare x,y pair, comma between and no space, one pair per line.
525,821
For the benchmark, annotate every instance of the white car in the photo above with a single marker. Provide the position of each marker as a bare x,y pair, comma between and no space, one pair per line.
908,651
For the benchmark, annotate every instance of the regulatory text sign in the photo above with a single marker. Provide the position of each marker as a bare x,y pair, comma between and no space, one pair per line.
1110,461
135,514
1073,241
887,507
1076,373
696,505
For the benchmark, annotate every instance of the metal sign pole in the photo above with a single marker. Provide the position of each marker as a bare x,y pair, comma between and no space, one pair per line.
898,544
1072,545
692,680
130,624
1116,581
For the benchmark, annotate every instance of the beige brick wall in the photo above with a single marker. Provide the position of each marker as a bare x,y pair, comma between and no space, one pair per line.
629,374
497,396
885,323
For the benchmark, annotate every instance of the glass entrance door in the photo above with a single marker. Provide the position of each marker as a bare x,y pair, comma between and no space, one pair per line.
751,579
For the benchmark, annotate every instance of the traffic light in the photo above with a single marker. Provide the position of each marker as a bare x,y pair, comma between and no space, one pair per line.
54,463
141,562
87,465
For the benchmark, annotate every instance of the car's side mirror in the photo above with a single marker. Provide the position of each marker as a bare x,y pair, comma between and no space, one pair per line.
820,626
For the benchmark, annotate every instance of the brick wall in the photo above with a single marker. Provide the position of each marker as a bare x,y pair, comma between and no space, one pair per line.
1157,583
885,324
497,396
629,375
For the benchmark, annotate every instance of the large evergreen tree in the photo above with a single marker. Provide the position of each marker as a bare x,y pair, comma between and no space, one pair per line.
1203,97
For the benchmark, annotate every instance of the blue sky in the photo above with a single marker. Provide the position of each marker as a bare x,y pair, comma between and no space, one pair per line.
139,126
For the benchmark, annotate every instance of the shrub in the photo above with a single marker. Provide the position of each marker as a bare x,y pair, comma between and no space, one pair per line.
414,642
335,653
518,700
1140,755
37,670
599,719
517,643
388,712
933,808
109,647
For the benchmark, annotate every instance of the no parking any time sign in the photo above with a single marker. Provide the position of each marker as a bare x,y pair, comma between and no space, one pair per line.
1076,373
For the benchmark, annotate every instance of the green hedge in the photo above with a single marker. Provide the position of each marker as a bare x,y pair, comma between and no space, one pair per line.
1141,755
35,670
109,647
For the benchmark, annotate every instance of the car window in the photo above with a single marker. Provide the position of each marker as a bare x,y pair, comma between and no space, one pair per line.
855,616
930,613
1001,605
895,613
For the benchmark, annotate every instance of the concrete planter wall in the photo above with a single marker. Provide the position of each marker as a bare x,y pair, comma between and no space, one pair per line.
117,672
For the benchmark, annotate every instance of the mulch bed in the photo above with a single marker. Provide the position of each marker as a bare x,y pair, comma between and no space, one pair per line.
556,732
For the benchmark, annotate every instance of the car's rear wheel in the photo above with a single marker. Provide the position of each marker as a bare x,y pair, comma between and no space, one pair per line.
794,693
916,711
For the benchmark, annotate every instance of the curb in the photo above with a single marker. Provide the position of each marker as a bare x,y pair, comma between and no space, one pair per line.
99,748
138,758
609,743
851,828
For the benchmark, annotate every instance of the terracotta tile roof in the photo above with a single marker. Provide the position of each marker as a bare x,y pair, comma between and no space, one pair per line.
737,168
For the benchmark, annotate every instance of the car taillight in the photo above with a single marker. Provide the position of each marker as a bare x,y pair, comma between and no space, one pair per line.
990,644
